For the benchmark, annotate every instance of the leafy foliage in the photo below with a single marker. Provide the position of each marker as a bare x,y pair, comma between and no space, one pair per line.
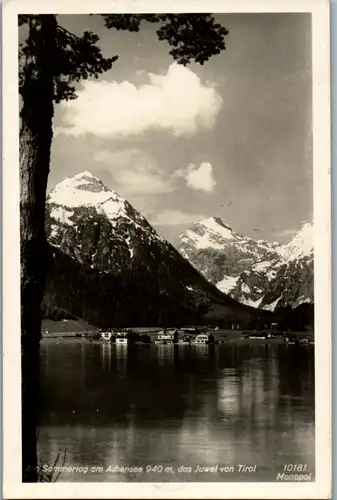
74,58
192,37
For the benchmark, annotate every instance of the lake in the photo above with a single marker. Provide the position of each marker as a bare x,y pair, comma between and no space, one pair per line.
165,412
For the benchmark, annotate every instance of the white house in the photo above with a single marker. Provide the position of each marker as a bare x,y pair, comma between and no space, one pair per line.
202,338
106,335
165,337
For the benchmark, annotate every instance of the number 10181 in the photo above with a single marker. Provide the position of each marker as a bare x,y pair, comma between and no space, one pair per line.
295,468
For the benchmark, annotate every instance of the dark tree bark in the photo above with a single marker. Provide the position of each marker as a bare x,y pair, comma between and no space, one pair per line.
35,145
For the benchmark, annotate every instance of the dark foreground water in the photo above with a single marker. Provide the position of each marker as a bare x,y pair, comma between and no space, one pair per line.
169,409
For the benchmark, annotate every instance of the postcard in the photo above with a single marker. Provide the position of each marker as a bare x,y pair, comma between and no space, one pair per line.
167,279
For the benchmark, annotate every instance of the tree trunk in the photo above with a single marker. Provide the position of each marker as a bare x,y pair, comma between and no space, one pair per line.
35,146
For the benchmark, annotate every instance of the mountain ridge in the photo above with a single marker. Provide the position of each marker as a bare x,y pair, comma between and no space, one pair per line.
258,273
112,268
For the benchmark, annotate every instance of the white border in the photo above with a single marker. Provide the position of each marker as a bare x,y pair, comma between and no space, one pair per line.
321,488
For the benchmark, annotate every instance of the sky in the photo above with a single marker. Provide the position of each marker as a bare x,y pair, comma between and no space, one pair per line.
231,138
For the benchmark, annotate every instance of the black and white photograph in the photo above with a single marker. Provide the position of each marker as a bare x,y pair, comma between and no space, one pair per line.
173,229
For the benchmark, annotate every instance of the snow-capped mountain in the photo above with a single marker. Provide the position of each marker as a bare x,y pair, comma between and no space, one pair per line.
255,272
112,268
221,254
300,246
84,211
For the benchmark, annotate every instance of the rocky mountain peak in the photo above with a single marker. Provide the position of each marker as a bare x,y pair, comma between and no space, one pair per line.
85,219
216,225
254,272
211,232
301,245
212,221
85,193
81,190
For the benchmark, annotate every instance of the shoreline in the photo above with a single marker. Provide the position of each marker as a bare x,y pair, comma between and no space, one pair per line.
220,339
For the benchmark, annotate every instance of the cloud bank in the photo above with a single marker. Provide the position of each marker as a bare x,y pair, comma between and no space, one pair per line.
135,172
177,102
199,178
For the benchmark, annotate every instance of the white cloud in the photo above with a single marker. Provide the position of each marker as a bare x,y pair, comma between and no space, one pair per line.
135,172
200,178
174,218
177,102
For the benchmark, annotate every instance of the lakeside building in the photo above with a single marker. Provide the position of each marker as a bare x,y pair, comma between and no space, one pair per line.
204,338
165,337
106,335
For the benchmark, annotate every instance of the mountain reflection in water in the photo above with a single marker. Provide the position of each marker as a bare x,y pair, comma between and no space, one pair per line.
176,406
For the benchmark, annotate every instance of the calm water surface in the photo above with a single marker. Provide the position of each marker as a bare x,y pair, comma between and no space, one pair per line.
177,406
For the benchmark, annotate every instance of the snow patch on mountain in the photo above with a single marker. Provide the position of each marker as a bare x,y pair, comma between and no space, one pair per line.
62,215
251,303
261,266
301,300
217,226
301,245
204,241
273,305
227,284
85,190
